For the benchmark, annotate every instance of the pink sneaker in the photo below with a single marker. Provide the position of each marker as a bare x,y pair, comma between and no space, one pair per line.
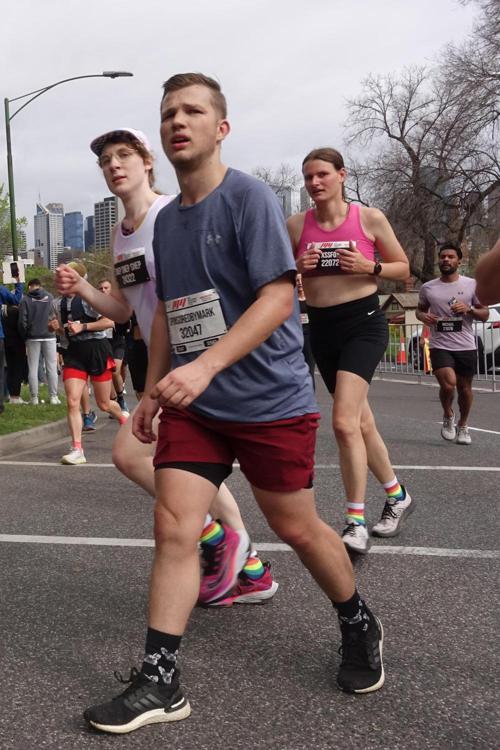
247,591
221,564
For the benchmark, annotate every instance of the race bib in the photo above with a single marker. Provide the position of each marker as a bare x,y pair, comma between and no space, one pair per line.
131,268
195,322
449,325
329,261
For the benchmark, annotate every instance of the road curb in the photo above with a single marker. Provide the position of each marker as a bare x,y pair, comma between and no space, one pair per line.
15,442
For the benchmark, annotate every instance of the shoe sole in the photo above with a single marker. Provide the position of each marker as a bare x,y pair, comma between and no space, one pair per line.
157,716
259,597
381,680
387,535
357,549
73,463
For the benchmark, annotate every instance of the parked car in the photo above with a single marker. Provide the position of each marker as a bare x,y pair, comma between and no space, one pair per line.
488,341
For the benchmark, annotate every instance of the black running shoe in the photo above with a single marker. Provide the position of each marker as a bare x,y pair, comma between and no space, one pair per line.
143,702
361,670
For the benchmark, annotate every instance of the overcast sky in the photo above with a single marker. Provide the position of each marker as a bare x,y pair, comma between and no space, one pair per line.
286,67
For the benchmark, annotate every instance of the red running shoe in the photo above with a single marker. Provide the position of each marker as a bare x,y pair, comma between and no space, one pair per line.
221,564
248,591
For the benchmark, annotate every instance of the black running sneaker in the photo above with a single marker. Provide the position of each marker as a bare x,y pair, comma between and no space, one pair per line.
143,702
361,669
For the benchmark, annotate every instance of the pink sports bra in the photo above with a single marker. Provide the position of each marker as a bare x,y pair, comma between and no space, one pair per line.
329,241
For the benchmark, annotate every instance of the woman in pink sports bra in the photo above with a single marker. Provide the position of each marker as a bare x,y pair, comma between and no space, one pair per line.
337,245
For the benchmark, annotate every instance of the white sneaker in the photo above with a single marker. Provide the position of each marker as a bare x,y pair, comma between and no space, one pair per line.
355,537
393,516
74,457
448,430
463,436
55,400
16,400
34,401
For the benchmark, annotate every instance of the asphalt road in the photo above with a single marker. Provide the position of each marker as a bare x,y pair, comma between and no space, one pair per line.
73,608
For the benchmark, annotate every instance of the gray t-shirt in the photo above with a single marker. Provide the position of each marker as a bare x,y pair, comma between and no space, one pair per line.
211,259
439,296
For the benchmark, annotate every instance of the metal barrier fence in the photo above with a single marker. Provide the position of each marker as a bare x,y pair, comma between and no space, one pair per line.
407,352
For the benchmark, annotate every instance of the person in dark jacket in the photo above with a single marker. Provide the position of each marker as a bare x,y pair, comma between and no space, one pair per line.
15,354
33,326
7,298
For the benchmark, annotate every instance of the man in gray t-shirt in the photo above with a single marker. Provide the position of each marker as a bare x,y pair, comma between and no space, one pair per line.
227,367
448,305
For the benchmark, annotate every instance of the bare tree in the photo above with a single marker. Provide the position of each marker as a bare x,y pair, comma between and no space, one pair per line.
436,163
285,176
473,67
284,181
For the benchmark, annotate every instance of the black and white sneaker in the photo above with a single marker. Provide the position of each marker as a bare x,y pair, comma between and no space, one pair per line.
361,669
143,702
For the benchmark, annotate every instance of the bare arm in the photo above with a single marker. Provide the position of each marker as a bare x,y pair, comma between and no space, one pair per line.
158,367
488,276
274,304
75,327
424,316
308,260
113,306
394,264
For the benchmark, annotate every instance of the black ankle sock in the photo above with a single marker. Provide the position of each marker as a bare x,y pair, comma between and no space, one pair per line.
353,612
160,658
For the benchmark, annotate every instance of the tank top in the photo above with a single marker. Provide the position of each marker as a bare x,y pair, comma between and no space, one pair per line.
134,267
330,240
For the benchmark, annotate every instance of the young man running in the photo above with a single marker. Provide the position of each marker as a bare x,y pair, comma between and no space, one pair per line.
449,305
227,367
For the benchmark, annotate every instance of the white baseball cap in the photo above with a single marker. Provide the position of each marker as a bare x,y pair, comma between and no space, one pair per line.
98,143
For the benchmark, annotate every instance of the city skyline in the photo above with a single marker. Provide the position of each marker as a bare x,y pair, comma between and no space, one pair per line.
286,81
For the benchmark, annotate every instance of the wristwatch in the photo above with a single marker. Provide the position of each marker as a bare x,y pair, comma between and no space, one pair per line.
84,326
377,268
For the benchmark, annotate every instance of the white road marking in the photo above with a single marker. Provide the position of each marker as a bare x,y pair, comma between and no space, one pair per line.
262,546
411,467
479,429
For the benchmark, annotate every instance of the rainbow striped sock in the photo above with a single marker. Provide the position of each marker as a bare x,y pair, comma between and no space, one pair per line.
395,493
213,533
253,568
355,513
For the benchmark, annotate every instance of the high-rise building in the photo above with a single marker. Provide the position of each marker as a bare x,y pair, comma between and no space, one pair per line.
73,230
89,233
285,198
107,213
305,200
49,232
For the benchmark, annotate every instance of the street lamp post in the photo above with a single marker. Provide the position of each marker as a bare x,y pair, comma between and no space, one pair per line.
8,117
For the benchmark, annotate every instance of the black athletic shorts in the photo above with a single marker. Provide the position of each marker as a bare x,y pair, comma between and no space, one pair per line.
137,358
464,362
91,356
352,336
118,346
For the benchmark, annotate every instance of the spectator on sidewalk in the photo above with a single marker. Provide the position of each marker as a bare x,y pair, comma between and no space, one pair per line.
15,354
33,326
7,298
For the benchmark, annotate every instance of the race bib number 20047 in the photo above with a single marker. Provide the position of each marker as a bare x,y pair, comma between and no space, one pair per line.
195,322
